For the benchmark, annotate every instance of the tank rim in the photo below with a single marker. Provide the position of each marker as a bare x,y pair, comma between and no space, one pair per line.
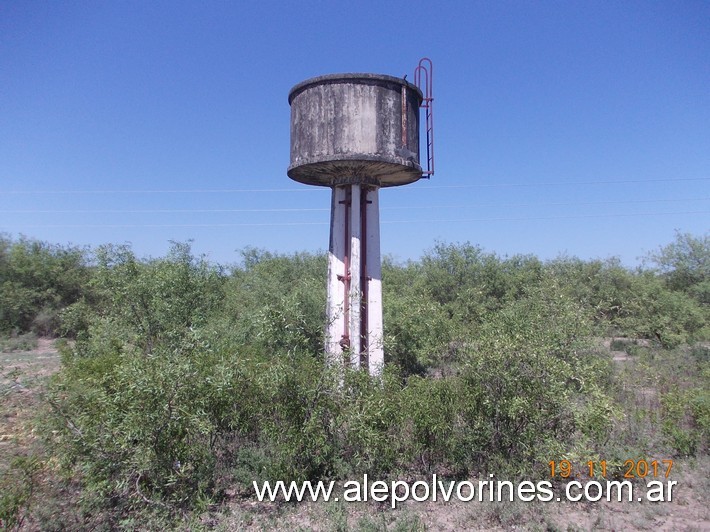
356,169
351,76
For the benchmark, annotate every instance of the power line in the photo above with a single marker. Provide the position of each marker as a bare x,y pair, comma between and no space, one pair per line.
525,218
156,211
165,191
116,226
312,189
572,183
550,204
284,224
412,207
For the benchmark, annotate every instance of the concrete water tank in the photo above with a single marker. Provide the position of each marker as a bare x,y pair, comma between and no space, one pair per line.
355,129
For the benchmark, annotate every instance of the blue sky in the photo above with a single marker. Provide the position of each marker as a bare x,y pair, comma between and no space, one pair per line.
577,128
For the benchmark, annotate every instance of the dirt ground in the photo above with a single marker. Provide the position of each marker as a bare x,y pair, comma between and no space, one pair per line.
21,380
21,376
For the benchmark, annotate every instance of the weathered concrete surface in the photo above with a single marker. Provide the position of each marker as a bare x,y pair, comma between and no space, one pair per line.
351,129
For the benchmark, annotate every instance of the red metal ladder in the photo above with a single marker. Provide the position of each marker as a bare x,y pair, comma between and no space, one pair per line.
423,79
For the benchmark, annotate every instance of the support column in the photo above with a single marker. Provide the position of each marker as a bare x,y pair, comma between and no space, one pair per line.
335,313
375,351
354,310
355,293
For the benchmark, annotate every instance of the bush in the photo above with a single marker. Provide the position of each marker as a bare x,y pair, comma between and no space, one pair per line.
701,353
369,423
685,415
158,301
184,381
276,302
144,427
653,311
526,412
296,418
22,342
19,481
685,263
437,434
417,333
36,281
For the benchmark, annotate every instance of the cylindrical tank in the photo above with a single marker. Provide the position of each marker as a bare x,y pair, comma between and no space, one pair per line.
355,129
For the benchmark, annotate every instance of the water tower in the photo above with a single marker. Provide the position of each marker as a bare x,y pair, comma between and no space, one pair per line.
357,133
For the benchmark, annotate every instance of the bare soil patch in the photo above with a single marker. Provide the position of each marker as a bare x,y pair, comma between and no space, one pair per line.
21,373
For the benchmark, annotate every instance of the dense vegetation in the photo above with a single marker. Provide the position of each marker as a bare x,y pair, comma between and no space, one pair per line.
181,379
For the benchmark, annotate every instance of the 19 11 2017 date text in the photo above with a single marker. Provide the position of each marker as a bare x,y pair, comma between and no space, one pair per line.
630,468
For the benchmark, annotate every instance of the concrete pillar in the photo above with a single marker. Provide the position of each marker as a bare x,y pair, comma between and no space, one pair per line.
355,294
354,308
375,351
335,313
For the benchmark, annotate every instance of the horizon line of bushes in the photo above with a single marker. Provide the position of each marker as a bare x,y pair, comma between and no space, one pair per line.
41,282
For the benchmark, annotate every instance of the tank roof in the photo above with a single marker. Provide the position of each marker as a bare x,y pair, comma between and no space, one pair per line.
353,77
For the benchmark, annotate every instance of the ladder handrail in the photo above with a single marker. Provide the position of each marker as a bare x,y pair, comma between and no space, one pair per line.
426,68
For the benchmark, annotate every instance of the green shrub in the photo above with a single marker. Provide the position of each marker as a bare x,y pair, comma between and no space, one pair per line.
369,423
296,418
21,342
701,353
417,333
685,263
619,344
18,481
524,414
139,425
183,381
276,302
36,281
655,312
436,433
159,300
686,419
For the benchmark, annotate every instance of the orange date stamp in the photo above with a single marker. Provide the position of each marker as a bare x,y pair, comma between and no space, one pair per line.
630,468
